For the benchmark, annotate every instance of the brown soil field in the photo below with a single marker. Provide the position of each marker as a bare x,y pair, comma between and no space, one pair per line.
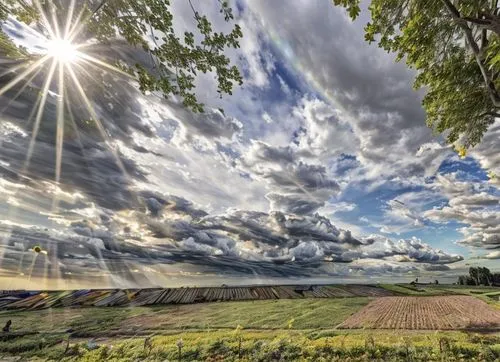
432,313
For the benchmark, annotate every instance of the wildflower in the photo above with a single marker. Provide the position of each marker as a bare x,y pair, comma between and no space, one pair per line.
180,343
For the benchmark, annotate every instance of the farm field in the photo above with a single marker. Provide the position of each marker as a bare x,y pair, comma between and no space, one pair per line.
306,329
267,314
431,313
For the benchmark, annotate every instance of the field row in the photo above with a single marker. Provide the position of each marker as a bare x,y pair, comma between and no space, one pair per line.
446,312
142,297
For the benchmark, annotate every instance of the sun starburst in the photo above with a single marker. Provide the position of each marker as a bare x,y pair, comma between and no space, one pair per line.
62,50
62,58
60,53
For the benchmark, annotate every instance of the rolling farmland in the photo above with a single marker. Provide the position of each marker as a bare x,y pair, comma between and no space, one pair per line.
158,296
433,313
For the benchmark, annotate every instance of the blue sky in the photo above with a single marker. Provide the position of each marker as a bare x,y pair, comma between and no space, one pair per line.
320,167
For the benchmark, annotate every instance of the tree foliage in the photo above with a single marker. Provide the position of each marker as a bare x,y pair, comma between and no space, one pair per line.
175,59
479,276
454,45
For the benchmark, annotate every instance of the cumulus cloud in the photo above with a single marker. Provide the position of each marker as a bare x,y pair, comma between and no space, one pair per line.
469,204
487,152
492,255
297,187
324,132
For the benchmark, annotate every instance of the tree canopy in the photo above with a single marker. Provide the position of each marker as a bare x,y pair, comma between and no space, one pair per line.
454,46
176,59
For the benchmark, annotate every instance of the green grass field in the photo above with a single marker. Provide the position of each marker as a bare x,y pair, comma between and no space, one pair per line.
268,330
265,314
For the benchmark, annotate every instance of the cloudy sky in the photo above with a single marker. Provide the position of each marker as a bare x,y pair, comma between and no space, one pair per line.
320,169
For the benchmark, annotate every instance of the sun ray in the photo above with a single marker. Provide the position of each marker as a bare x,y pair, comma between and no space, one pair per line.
28,82
85,72
77,26
103,64
32,265
55,24
78,137
39,114
24,74
95,118
46,22
60,130
14,68
69,18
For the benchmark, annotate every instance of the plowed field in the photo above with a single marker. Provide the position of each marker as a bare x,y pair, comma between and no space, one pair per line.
443,312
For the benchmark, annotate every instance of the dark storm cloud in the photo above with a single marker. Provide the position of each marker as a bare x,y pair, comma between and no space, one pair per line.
281,237
92,169
297,187
247,226
294,204
156,202
70,256
309,177
437,267
212,124
262,152
279,229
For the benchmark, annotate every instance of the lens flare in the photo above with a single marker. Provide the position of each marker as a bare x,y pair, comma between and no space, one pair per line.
62,50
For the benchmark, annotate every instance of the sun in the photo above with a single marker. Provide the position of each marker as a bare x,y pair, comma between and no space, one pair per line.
62,50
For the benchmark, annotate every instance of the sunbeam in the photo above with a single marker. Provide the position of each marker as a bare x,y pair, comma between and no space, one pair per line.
39,113
60,130
95,118
23,88
24,74
103,64
45,21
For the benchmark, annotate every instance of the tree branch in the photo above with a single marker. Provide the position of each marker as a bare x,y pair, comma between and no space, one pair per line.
484,40
103,2
493,114
476,20
493,93
196,15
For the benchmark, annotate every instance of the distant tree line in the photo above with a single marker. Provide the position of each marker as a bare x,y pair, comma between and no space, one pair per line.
480,276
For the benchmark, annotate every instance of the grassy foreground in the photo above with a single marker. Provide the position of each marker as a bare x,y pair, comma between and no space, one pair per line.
264,345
